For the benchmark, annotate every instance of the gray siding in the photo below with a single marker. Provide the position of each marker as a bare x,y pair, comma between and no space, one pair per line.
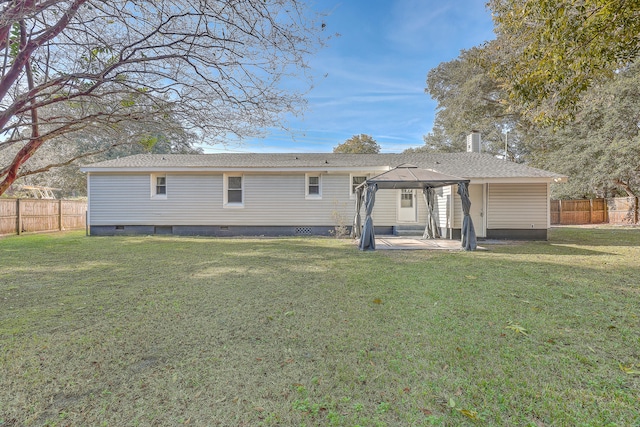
197,199
518,206
443,195
449,217
422,208
457,207
384,210
278,199
509,207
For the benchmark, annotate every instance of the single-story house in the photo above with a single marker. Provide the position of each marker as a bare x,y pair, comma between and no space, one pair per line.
309,194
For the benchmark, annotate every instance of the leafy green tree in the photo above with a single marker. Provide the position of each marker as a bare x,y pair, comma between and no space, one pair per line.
490,88
469,98
549,52
600,149
358,144
213,67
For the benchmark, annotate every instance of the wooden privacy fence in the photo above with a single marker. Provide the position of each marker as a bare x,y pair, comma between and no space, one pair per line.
29,215
578,211
623,210
619,210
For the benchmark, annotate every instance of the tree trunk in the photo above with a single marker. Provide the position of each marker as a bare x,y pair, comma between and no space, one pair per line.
23,155
36,141
625,187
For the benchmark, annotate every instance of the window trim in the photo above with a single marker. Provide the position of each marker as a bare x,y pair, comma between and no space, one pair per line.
352,194
225,192
307,195
154,186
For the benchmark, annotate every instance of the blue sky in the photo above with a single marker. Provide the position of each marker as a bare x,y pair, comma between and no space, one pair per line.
376,72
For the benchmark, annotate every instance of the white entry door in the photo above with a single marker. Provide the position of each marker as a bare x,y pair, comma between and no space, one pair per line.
407,209
476,195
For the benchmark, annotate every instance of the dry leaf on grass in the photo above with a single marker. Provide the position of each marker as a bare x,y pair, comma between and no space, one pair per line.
630,369
517,328
469,414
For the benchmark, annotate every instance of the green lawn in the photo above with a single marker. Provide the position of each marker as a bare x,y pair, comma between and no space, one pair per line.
125,331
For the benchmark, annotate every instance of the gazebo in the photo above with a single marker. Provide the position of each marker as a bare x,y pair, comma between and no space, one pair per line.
411,177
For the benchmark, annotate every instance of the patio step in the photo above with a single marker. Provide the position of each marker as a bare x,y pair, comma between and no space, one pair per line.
408,230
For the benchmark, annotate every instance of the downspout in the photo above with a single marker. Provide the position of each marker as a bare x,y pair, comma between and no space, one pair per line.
87,229
485,208
549,206
452,215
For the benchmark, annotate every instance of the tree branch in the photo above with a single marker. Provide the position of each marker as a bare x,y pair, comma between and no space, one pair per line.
9,79
625,186
72,160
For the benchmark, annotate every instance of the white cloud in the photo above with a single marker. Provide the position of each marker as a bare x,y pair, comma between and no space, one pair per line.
430,27
411,20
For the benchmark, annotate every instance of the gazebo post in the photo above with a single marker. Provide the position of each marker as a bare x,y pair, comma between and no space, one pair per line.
431,229
356,230
469,241
368,238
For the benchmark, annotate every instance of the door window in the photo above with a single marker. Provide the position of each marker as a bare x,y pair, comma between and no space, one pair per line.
406,199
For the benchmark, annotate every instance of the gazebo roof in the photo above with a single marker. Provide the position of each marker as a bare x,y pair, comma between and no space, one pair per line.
408,176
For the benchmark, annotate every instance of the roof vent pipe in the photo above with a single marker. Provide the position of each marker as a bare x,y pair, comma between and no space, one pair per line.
473,142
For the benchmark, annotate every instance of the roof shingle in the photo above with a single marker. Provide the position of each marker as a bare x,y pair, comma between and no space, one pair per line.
465,165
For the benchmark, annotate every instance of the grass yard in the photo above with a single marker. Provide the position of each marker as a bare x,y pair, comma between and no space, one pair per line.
126,331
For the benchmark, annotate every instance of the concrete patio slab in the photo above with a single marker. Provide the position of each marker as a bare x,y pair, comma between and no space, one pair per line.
416,243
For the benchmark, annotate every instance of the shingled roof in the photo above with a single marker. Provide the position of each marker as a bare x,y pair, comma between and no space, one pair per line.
465,165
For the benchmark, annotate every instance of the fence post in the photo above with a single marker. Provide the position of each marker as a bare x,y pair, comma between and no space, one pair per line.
60,215
635,210
18,218
590,211
560,211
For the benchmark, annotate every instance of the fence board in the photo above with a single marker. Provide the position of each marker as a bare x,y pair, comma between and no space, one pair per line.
8,216
619,210
599,213
40,215
74,215
568,212
576,212
555,211
623,210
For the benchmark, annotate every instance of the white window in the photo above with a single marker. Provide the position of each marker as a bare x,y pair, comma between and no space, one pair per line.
355,181
233,191
406,199
158,186
313,183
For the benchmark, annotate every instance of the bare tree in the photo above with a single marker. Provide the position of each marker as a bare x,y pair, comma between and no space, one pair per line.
211,67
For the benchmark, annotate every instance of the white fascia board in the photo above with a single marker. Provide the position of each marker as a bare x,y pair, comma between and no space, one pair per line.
227,169
517,180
